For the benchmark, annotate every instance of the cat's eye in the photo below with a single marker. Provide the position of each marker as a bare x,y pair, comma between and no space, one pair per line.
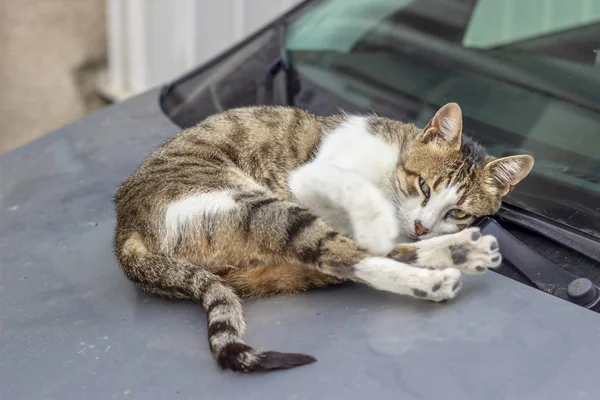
424,187
457,214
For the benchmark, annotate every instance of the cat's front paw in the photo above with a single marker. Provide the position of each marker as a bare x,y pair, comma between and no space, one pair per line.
376,230
474,253
392,276
439,285
467,250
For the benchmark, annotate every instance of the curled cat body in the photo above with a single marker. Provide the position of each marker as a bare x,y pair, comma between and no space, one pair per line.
268,200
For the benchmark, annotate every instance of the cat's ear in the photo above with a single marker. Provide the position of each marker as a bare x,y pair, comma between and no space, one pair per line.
504,173
445,128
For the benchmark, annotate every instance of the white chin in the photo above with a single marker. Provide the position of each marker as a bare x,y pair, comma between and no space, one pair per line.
405,238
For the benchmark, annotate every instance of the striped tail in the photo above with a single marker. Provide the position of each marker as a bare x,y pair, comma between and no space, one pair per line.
225,328
179,279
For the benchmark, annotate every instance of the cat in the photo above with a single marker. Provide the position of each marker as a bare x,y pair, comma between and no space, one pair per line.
267,200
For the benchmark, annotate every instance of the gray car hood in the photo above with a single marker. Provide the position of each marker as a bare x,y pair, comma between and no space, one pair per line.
73,327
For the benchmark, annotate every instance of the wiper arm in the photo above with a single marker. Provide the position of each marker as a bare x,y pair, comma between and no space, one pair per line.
540,272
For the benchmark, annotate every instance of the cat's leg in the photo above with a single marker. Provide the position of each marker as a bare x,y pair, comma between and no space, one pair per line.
323,186
392,276
292,232
467,250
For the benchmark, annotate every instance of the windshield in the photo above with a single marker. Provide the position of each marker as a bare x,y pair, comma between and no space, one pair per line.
526,74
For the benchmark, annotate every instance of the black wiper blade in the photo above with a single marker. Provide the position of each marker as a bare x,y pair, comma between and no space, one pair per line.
564,235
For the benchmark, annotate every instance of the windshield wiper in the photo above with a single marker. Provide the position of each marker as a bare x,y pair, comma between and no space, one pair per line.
532,267
538,271
569,237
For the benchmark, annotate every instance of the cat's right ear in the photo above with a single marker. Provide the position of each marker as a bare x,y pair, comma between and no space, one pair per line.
503,174
445,128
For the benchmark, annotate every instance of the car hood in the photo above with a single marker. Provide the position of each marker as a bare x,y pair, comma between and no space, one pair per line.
74,327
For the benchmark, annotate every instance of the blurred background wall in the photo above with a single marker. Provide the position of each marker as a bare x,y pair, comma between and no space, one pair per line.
61,59
50,51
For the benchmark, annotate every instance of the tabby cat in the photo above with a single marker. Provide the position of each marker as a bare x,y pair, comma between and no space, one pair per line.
263,200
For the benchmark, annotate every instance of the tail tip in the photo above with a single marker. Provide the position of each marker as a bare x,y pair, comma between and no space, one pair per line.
273,360
240,357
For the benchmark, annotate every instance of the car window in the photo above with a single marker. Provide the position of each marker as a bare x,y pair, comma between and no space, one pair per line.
501,22
530,84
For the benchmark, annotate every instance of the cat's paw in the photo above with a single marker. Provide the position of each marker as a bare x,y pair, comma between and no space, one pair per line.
439,285
376,229
474,253
389,275
467,250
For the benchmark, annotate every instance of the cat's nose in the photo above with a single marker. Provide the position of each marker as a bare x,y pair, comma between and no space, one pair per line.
420,229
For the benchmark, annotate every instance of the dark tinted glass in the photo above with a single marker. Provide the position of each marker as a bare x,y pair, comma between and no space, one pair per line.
525,85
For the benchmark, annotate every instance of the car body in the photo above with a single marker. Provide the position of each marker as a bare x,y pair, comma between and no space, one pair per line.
73,327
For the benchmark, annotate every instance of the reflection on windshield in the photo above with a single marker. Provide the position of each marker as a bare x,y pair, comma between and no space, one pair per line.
527,78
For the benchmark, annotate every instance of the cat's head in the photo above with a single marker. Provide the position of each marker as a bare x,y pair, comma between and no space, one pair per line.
446,180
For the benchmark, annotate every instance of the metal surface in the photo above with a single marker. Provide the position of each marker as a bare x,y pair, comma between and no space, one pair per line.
74,328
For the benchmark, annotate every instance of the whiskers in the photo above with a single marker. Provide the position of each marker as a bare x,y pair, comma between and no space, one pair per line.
396,199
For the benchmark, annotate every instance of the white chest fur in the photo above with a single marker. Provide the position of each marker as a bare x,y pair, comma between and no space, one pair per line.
348,185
